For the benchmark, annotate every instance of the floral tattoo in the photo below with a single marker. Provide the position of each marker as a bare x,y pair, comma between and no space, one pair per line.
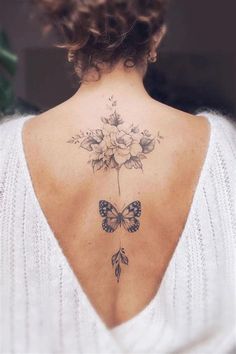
116,145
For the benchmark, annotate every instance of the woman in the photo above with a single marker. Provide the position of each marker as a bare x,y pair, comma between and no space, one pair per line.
118,213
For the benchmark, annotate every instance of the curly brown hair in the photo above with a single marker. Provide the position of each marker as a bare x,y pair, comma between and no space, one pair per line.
97,32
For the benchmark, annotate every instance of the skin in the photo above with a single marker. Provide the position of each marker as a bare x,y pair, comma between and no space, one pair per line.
68,191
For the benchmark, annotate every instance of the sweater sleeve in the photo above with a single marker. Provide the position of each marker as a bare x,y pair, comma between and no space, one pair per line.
226,150
8,131
228,128
8,126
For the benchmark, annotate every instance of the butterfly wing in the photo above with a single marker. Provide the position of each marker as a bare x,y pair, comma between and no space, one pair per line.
110,215
130,215
131,224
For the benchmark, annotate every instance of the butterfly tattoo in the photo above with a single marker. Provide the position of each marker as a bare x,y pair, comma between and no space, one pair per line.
128,218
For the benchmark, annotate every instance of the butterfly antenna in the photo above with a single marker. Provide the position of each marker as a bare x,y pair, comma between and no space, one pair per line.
116,206
123,207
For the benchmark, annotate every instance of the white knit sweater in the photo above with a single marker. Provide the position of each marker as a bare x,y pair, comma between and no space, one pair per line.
43,308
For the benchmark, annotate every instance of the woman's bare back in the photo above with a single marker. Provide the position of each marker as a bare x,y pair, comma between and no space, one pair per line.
78,196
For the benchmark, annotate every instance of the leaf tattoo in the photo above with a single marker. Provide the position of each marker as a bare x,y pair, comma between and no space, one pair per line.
116,259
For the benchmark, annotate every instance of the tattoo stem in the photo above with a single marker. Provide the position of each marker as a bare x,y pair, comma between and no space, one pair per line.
118,179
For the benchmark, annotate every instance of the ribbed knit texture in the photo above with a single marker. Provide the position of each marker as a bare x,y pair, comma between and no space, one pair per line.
43,308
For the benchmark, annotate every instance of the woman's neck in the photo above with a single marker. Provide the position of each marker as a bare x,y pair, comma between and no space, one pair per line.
120,82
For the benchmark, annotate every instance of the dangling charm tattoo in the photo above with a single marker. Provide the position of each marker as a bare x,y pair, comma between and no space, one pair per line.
116,259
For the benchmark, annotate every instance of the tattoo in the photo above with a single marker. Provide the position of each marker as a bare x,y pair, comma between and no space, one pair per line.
116,259
116,145
128,218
